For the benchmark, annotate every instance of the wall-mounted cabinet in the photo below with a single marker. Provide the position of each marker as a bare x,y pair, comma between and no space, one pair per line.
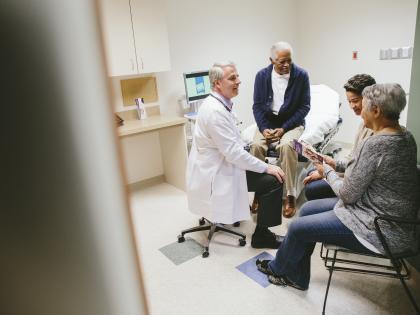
135,36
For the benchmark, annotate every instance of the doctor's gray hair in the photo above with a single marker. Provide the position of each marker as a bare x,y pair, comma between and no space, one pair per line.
280,46
216,72
389,97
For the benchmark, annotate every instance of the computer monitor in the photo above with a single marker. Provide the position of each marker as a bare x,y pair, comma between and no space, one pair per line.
197,85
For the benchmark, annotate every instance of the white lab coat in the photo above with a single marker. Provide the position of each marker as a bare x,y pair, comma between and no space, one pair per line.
216,178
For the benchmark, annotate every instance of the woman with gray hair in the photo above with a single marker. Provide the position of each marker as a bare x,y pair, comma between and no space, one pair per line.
379,180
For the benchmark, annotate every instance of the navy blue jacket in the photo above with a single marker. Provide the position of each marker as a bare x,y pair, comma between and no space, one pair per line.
297,100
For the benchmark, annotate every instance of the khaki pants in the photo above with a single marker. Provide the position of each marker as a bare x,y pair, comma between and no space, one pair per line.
287,156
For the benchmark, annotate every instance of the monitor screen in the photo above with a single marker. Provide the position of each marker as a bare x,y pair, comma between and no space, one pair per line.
197,85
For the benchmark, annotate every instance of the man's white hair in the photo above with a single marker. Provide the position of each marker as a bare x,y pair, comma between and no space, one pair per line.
216,71
280,46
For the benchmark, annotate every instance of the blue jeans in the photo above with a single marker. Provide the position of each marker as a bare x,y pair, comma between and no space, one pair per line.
317,222
318,189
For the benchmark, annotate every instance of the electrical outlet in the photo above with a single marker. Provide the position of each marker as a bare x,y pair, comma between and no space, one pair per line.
383,54
394,53
405,52
410,52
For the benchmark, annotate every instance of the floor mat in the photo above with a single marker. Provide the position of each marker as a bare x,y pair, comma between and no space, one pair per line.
250,269
179,253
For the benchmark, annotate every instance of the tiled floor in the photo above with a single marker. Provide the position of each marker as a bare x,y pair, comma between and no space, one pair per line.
216,285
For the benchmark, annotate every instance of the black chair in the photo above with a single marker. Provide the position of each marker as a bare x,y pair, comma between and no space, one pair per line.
396,266
212,228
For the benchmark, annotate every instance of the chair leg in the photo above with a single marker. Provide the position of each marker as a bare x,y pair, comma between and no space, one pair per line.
221,228
213,227
331,269
405,269
196,229
181,237
321,251
327,252
407,290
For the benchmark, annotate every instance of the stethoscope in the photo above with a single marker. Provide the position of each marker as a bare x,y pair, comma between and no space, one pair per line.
237,122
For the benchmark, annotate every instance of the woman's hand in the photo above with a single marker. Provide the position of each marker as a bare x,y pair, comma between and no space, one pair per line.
312,177
330,161
320,169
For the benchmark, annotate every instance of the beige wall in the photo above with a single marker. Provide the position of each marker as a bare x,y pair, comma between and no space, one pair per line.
201,32
329,30
324,33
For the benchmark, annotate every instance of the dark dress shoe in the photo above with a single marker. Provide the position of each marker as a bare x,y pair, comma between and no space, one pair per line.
289,209
266,239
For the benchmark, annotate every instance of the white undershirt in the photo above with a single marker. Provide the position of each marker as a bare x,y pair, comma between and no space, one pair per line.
367,244
279,84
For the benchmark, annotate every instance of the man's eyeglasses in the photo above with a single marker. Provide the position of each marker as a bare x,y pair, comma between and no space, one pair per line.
282,62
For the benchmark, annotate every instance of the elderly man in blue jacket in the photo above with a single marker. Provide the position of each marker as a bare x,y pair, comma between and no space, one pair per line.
281,103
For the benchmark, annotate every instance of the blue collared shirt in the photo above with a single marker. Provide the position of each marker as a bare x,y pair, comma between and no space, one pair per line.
226,102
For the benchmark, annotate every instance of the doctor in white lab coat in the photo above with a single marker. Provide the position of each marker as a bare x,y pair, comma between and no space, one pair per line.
220,172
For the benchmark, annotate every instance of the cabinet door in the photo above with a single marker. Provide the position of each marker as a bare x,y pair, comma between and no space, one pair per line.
151,36
118,37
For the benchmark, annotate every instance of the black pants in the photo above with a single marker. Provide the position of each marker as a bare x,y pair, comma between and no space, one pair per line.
269,192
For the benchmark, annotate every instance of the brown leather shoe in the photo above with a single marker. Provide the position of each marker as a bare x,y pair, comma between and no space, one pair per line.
289,209
254,205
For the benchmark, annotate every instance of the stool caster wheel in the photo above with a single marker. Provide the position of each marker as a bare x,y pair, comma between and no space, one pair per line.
236,224
202,221
242,242
181,239
205,254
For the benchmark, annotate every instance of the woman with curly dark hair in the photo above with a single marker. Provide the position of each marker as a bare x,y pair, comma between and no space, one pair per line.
315,187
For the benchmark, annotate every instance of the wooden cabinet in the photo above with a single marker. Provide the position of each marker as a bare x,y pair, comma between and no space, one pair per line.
135,36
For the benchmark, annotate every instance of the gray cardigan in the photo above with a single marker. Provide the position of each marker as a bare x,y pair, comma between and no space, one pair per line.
380,179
